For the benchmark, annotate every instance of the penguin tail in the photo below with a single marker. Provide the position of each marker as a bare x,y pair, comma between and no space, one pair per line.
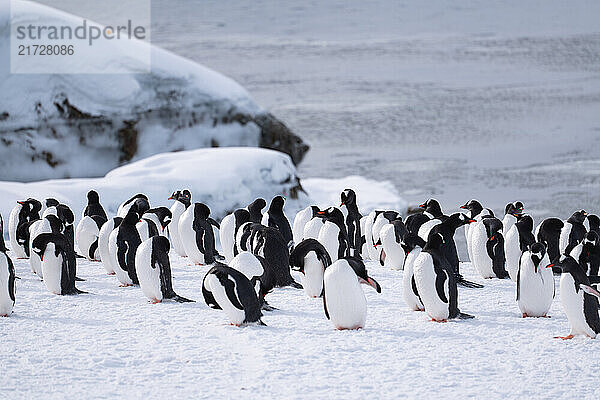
260,323
462,315
267,307
468,284
180,299
78,279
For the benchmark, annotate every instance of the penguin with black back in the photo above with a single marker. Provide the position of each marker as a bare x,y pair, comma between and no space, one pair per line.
59,264
579,300
495,246
196,233
241,217
255,209
128,240
415,221
141,202
572,232
413,245
348,198
29,213
153,270
260,274
7,277
311,259
594,223
548,233
228,289
436,282
432,209
333,234
93,206
587,253
447,228
275,218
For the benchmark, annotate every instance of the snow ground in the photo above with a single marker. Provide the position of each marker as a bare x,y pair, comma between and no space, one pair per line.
112,343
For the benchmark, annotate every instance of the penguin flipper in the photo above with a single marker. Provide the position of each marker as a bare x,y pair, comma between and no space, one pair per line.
213,222
440,286
325,305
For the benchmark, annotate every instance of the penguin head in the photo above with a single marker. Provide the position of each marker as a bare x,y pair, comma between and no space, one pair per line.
161,243
591,238
132,216
315,211
142,205
391,215
348,197
201,211
594,221
277,204
241,216
65,214
493,228
567,264
175,195
51,242
93,197
50,202
578,217
361,272
432,206
473,206
31,205
163,214
332,214
257,205
513,208
538,251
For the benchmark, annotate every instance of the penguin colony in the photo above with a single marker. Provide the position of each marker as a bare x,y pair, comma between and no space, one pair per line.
327,247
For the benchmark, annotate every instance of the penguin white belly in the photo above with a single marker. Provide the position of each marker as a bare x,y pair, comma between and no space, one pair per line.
227,236
86,234
480,258
346,302
238,237
148,275
371,250
427,227
177,211
576,252
312,229
507,222
572,304
425,279
143,230
363,251
265,219
13,221
122,275
512,250
247,264
563,241
394,253
312,279
410,298
187,235
152,217
235,315
328,237
34,260
52,270
536,291
300,222
6,303
103,236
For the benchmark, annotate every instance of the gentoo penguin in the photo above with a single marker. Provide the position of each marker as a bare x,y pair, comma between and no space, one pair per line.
353,218
228,230
587,253
93,206
59,265
87,234
141,202
269,243
333,235
160,217
391,235
343,299
447,228
548,233
255,210
7,278
488,249
66,216
183,199
311,259
103,238
579,301
432,209
363,238
122,245
572,232
23,213
510,211
594,223
46,204
154,270
517,240
260,274
196,234
413,245
372,252
227,289
414,222
313,227
535,282
476,212
381,220
146,228
300,221
436,283
49,224
275,218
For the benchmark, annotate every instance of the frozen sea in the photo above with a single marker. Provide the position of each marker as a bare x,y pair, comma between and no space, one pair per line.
457,101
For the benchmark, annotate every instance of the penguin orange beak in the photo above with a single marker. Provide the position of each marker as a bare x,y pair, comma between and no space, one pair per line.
492,238
320,212
463,207
472,220
342,203
422,206
549,265
170,198
21,202
42,257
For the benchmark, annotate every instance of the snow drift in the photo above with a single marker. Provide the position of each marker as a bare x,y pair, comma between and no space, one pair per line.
58,126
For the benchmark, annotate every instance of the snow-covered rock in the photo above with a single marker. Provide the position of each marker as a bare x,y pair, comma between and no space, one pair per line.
82,125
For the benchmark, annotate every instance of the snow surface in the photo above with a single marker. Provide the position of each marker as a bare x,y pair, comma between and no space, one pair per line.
113,343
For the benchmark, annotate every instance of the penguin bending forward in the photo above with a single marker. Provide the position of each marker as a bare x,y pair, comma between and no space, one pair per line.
311,259
154,270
